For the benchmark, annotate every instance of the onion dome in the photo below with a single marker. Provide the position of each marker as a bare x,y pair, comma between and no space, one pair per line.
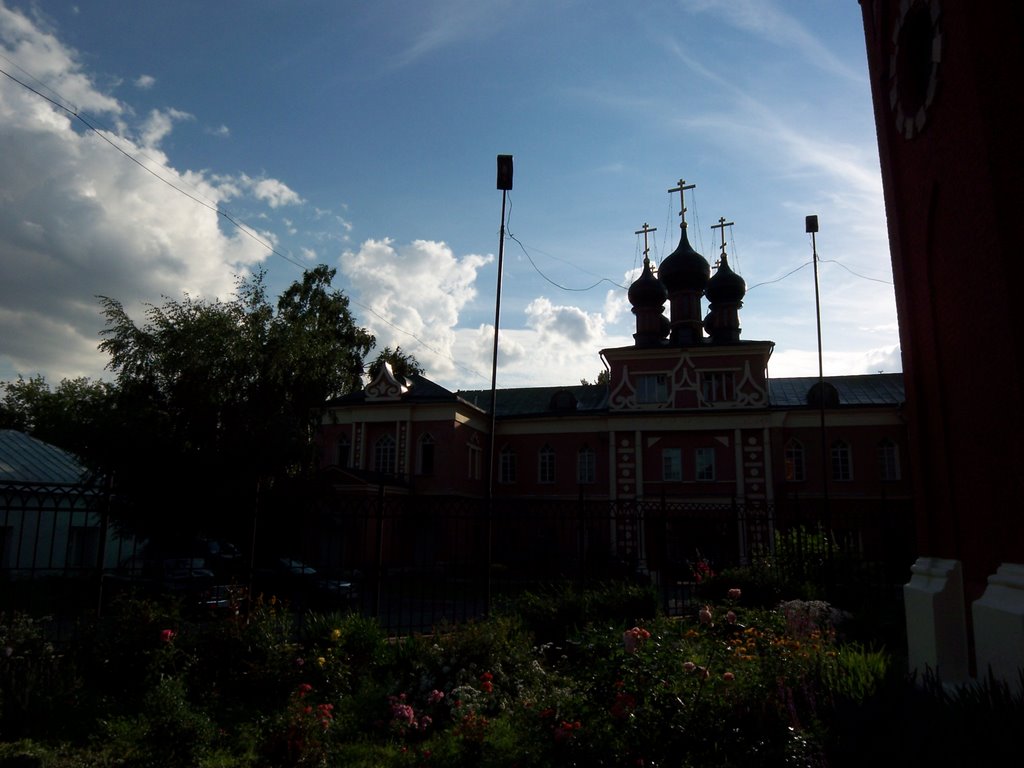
684,269
647,290
725,286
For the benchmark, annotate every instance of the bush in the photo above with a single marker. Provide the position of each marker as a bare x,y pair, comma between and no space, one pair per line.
552,615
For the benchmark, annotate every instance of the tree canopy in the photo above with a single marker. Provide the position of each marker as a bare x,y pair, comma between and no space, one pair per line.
220,397
213,403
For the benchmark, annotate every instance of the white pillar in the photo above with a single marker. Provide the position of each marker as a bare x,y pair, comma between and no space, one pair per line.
936,619
999,626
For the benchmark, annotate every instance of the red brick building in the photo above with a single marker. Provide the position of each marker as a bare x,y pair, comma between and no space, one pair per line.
944,77
688,415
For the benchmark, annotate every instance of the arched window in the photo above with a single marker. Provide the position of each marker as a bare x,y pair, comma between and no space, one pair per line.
586,466
794,458
546,465
475,455
384,455
344,452
507,465
888,461
425,459
842,461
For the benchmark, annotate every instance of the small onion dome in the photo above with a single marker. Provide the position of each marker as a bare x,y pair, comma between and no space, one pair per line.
684,269
725,286
647,290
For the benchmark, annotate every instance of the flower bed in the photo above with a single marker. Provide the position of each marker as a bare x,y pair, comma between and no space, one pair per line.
729,685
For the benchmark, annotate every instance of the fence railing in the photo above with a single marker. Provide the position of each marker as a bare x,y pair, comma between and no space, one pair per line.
413,562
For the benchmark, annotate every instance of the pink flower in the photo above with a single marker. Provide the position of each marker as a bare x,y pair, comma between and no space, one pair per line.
303,689
435,696
632,638
728,677
731,617
734,593
705,615
167,635
688,667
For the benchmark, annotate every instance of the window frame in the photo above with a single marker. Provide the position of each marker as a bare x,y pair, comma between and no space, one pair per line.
841,461
888,461
387,448
546,465
672,465
704,464
652,388
425,454
586,466
794,458
507,466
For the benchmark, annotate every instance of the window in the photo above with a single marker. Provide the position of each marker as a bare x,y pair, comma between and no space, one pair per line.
842,466
426,455
586,466
473,469
546,465
652,388
384,455
794,457
704,464
83,546
507,466
717,386
344,452
888,461
671,464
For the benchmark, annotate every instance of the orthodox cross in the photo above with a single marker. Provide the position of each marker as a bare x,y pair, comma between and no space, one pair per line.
681,189
722,224
646,230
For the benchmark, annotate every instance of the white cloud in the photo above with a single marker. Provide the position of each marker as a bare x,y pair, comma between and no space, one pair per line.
159,124
414,294
221,131
145,82
273,192
78,219
561,324
764,19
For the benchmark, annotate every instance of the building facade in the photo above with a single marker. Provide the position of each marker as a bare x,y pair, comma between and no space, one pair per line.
688,414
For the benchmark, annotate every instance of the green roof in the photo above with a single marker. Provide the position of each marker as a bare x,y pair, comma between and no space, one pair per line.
24,459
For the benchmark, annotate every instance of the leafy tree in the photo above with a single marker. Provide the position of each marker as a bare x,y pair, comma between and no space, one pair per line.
402,364
603,377
75,416
220,398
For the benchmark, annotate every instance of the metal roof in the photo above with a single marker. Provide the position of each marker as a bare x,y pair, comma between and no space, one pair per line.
24,459
866,389
877,389
535,401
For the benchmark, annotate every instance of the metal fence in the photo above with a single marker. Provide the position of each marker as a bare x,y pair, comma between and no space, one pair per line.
414,562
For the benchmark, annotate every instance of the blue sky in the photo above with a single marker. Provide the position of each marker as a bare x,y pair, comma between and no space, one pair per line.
364,136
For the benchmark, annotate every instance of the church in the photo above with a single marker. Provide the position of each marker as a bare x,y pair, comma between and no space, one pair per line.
688,414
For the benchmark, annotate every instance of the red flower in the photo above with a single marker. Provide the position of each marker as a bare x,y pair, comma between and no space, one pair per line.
167,635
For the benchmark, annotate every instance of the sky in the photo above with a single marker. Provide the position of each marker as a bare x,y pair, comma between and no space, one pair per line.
150,150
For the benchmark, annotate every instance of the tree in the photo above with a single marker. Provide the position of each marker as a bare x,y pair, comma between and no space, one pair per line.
603,377
402,364
219,398
75,416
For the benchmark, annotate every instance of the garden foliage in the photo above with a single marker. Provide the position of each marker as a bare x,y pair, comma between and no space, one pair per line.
729,685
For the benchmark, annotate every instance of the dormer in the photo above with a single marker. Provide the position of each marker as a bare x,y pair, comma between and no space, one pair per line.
385,386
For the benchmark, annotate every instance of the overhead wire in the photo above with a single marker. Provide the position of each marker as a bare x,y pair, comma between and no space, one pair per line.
239,225
251,233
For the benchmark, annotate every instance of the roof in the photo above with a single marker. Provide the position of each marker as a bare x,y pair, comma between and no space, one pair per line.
876,389
534,401
866,389
420,389
24,459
